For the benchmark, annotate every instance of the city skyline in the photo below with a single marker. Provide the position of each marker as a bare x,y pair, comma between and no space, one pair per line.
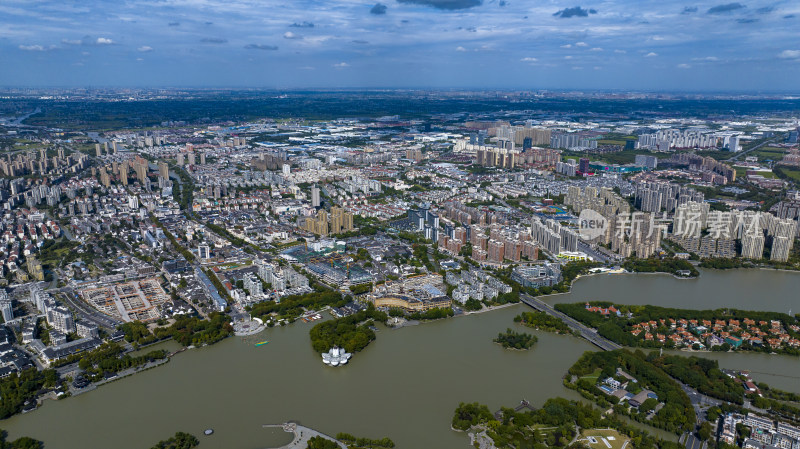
711,46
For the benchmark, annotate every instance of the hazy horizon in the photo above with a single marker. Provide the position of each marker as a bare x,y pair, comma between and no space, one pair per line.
623,45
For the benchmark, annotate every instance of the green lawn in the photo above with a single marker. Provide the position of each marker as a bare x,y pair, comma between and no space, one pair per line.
616,443
784,172
770,153
594,375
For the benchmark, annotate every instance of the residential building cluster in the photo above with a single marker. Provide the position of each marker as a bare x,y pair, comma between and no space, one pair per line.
474,283
336,222
537,276
765,433
754,230
709,333
674,139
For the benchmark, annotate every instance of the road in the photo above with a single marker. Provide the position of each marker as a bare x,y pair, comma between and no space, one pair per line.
738,155
598,254
585,332
692,442
87,312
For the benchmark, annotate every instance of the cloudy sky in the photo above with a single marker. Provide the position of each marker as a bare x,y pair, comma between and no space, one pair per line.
532,44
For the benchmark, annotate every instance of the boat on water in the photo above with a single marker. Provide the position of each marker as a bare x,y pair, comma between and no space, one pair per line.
261,343
336,356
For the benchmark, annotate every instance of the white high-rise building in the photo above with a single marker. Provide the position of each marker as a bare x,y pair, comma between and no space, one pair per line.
781,246
733,144
6,307
315,196
204,252
60,318
753,245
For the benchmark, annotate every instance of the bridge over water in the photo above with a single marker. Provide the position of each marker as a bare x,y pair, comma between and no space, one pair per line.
586,332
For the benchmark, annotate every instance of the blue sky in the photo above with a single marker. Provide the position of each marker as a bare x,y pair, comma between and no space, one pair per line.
579,44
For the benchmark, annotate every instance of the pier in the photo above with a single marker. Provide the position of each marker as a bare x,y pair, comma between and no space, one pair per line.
523,404
302,435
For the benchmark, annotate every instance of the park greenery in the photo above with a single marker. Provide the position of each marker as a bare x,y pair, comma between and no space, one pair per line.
351,332
780,395
319,442
364,443
18,388
701,374
181,440
108,360
786,172
19,443
186,330
473,305
360,289
677,415
293,306
187,188
553,425
617,328
515,340
421,258
784,411
431,314
191,330
542,321
720,263
655,265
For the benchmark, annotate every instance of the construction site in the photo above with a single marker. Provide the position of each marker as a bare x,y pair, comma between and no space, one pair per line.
128,301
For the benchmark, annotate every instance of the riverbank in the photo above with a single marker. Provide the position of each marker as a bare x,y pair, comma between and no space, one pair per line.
403,369
488,309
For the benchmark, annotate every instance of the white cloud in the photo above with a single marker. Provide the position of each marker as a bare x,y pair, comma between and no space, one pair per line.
71,41
566,46
651,54
290,35
341,65
104,41
145,48
684,66
596,49
581,44
707,58
529,59
567,57
621,52
140,59
657,38
789,54
32,48
460,48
